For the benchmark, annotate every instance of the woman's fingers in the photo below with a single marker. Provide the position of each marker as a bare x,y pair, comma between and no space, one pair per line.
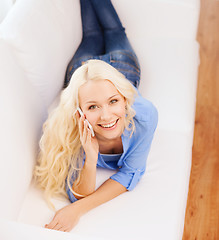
77,115
84,131
56,224
52,224
59,227
88,134
63,229
81,124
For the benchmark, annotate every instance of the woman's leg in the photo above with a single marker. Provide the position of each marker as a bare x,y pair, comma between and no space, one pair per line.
92,40
114,33
92,43
117,45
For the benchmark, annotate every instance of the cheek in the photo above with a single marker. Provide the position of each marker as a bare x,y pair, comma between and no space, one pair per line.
92,118
120,111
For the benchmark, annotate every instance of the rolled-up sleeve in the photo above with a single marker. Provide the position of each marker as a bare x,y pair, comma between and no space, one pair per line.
73,177
71,196
128,176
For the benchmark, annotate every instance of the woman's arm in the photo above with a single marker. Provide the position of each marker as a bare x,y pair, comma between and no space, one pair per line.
87,181
107,191
66,218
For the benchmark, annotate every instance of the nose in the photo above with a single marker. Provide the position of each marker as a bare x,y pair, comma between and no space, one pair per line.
105,114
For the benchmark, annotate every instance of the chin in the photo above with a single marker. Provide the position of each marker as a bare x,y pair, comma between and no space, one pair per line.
108,135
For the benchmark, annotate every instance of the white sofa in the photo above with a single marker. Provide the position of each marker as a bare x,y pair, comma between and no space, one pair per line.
37,40
5,6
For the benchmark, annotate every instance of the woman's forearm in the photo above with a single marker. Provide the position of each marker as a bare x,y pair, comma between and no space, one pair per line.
66,218
107,191
87,182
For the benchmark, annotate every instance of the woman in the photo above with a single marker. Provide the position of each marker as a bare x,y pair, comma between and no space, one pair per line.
123,122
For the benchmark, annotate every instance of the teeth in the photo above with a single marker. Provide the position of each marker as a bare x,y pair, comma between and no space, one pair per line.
109,125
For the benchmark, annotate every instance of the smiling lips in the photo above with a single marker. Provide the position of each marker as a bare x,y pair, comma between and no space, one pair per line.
108,126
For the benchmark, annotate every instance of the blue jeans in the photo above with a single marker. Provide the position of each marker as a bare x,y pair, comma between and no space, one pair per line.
104,38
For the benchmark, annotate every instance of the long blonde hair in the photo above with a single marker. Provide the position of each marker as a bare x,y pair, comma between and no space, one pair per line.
61,153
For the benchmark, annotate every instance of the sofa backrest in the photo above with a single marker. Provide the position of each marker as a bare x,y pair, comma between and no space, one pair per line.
22,113
36,43
165,43
41,34
5,6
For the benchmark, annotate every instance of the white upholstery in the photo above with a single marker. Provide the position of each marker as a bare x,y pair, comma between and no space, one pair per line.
21,121
37,40
16,231
55,37
169,73
158,202
5,6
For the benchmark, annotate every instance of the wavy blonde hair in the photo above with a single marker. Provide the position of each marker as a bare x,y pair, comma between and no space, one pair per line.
61,153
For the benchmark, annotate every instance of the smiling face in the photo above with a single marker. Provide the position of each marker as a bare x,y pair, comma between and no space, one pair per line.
104,108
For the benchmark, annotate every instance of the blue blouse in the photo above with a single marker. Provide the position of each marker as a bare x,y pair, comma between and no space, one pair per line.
131,164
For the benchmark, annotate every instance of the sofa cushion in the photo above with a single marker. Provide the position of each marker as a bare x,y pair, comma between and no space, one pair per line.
169,80
157,203
10,230
41,36
5,6
159,18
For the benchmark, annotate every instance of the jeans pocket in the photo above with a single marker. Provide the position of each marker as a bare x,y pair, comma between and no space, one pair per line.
126,63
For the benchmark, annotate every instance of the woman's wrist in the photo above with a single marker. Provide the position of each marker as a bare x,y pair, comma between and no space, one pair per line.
87,183
90,162
91,158
107,191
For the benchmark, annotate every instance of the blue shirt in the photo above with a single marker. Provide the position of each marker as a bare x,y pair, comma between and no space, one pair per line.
131,164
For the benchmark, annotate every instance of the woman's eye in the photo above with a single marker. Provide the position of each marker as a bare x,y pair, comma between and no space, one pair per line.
92,107
114,101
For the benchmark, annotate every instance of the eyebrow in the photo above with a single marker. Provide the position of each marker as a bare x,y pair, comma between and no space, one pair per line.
96,101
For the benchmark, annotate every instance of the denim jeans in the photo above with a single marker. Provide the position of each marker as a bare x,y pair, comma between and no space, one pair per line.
104,38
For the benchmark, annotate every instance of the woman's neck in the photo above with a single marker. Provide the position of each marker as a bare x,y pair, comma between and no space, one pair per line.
111,146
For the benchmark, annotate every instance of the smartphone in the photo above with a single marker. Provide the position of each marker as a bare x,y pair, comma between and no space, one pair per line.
89,125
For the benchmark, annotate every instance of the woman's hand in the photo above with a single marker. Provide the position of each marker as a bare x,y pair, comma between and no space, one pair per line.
89,143
66,218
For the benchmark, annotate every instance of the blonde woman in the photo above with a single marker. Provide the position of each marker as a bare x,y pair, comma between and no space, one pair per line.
113,129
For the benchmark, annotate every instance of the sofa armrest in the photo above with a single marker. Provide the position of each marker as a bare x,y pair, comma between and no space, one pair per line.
22,114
